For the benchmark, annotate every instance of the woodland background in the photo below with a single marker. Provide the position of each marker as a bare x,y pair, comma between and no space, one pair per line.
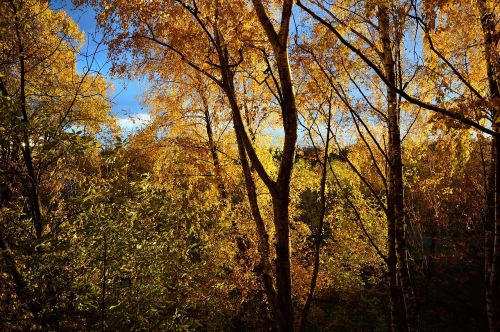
307,165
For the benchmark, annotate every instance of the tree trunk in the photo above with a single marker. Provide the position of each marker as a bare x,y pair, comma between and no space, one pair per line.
280,190
264,250
280,300
395,192
492,242
104,282
213,152
492,224
32,183
319,233
281,198
283,271
264,269
394,291
489,228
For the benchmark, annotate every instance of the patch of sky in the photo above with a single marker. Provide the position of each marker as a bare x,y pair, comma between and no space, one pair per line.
126,95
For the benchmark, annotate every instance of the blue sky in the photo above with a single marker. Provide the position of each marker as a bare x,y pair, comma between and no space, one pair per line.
125,98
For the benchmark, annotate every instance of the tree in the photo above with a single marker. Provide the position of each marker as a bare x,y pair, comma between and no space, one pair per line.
44,100
212,22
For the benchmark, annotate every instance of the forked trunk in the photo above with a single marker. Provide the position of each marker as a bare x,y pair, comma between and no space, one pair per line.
265,268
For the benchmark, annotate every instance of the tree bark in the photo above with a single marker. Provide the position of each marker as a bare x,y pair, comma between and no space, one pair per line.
280,191
394,291
104,282
395,192
492,224
265,267
432,107
213,152
32,183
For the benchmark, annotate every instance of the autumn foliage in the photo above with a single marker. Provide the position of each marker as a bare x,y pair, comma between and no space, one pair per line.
307,166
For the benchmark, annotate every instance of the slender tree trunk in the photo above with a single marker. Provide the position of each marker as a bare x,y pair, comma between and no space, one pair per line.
396,176
319,232
265,268
492,224
20,285
213,152
264,249
281,304
394,291
32,183
248,116
104,281
489,228
263,245
492,241
280,299
281,194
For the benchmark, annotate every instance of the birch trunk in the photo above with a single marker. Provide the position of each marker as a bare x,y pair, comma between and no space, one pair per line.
395,192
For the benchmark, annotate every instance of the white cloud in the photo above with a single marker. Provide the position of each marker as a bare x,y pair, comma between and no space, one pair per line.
134,121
